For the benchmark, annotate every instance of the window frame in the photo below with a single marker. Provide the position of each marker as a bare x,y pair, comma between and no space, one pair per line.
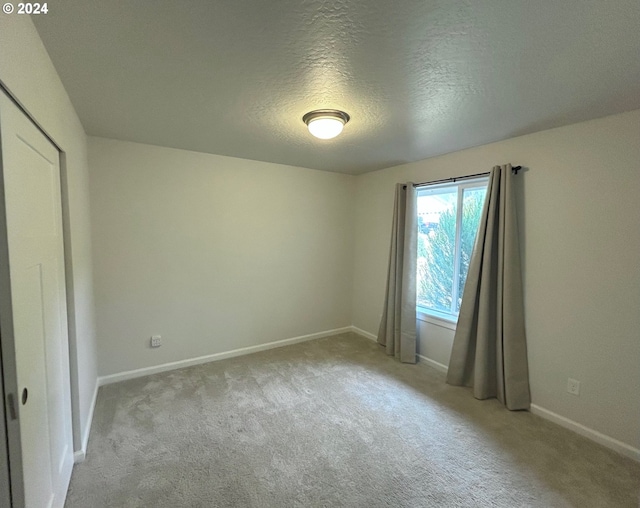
441,318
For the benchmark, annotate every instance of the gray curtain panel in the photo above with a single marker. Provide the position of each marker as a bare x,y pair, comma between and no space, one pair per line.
489,347
398,325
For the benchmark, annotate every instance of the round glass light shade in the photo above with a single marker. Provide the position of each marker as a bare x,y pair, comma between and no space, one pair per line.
325,128
325,124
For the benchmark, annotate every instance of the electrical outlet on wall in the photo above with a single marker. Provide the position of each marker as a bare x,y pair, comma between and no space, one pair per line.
573,386
156,341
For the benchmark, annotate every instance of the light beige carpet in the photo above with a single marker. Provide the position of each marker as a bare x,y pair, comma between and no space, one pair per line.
332,423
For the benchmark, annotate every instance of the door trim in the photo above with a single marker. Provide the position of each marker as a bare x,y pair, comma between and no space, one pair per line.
8,354
25,111
5,480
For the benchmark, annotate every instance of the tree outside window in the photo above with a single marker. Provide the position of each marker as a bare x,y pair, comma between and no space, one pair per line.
448,218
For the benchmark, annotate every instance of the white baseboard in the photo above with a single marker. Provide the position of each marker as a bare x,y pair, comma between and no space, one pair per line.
146,371
432,363
594,435
428,361
368,335
80,455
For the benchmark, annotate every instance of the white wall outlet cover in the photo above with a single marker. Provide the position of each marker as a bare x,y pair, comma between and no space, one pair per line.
573,386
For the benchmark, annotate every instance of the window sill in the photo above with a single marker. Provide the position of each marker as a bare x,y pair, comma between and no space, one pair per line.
436,320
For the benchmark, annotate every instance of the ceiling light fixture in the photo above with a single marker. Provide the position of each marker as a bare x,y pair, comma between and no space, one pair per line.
325,123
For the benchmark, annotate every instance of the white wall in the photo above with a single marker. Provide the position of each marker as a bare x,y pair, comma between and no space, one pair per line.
579,215
27,72
213,253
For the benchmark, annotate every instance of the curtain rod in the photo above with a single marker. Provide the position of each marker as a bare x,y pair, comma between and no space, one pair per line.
515,170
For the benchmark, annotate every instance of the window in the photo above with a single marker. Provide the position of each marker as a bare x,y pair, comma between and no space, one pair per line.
448,218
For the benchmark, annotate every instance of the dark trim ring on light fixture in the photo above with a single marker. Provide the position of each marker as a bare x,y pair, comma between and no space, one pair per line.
326,113
331,116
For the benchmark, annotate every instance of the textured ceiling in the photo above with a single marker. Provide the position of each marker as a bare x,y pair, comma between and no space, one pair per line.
418,77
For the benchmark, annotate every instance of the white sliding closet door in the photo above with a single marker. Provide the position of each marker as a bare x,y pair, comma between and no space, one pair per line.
38,335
